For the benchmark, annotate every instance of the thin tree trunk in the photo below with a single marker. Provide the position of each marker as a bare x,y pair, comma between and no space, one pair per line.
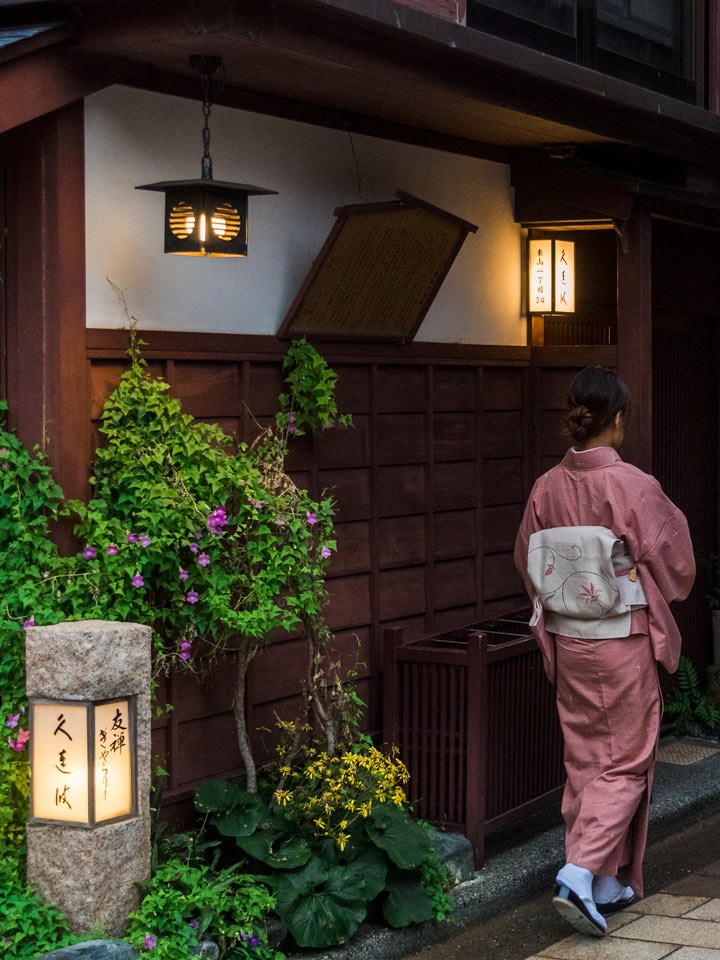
244,656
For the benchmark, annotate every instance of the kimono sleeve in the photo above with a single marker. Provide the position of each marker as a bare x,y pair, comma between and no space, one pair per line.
667,572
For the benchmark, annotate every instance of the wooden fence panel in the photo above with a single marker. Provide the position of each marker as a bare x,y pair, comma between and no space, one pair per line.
429,487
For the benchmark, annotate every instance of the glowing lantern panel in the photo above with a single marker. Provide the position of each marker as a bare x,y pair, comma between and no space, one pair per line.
540,272
564,292
82,761
59,746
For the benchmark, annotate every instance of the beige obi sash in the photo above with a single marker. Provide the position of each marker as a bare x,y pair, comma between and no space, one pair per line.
585,582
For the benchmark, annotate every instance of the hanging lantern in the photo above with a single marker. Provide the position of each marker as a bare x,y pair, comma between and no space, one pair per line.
206,217
82,761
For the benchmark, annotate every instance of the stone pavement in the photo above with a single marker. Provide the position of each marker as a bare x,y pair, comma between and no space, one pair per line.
681,922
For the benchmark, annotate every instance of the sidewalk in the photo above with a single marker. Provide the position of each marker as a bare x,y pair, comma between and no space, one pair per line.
682,922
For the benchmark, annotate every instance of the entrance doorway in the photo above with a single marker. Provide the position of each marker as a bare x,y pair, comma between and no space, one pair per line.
686,314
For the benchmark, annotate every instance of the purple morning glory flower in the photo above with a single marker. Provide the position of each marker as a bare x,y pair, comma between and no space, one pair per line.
186,644
149,941
280,521
193,924
12,722
254,942
183,574
22,738
244,936
29,623
194,548
217,520
144,541
325,552
89,553
185,655
132,538
203,559
311,517
112,550
192,596
138,581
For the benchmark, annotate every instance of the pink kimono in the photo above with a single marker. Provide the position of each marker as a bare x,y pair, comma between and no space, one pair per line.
608,695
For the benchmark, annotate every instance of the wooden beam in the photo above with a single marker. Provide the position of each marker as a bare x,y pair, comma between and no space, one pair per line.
42,82
634,333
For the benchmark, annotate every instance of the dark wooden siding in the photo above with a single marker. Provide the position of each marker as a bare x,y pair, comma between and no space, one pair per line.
429,487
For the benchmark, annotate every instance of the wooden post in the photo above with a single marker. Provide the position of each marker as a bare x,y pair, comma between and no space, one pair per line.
392,639
476,740
47,369
634,332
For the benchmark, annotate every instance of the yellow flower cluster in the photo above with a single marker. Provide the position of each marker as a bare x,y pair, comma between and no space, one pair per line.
327,795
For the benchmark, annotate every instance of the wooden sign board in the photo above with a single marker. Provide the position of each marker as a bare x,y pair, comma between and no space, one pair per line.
378,272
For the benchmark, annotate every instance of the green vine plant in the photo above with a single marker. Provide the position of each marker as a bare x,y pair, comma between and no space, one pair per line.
687,703
207,540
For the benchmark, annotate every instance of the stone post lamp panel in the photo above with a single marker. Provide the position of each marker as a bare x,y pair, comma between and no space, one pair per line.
89,830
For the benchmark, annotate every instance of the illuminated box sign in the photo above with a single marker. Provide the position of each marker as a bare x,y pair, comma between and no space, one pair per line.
82,761
551,274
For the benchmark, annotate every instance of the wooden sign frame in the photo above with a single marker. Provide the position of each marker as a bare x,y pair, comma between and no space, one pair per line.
378,272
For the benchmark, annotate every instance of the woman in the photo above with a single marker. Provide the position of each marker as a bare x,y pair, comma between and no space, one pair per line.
603,552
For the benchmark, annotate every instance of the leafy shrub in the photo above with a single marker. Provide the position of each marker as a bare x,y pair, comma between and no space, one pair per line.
337,837
29,925
185,903
687,703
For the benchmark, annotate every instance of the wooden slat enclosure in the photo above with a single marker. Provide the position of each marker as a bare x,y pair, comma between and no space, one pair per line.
475,721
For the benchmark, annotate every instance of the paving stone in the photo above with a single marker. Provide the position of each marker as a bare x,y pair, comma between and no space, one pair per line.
713,869
697,885
606,948
668,905
618,920
710,910
696,953
678,930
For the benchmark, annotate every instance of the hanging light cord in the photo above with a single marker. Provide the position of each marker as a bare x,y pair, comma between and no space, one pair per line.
208,67
207,168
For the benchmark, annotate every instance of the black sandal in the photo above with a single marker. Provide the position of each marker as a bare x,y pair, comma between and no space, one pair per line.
571,908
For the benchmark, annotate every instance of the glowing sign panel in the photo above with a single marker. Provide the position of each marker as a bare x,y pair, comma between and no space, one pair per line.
82,760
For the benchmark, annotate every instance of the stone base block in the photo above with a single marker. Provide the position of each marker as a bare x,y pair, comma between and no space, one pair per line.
90,875
455,851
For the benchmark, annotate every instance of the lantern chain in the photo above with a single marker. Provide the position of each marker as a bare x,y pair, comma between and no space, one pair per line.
207,170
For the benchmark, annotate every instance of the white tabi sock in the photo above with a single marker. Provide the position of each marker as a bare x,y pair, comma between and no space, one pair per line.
580,881
610,890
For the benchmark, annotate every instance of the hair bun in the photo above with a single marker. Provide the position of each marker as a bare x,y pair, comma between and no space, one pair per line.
580,424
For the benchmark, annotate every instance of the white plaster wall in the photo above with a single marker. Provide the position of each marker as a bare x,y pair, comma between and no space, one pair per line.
135,137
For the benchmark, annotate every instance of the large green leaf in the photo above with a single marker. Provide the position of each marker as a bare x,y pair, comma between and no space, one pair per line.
371,867
407,901
391,829
246,815
321,906
320,920
271,847
216,796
